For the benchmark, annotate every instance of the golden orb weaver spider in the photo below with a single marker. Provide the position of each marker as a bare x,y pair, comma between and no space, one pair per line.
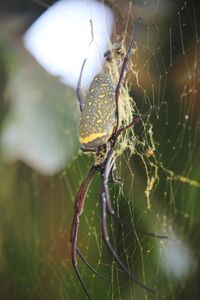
99,131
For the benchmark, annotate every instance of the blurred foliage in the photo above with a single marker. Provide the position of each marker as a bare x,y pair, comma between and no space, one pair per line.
41,127
36,208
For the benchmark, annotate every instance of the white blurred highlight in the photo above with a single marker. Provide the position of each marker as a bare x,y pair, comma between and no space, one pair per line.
177,260
66,34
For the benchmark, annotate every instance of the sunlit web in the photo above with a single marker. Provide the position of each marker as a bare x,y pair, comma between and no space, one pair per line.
159,173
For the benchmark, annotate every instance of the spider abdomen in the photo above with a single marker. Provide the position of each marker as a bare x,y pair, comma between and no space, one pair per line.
98,117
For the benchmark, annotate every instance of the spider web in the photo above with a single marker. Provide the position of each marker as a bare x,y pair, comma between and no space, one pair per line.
160,185
159,171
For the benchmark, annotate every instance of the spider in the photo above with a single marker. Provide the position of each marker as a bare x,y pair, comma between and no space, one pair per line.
99,131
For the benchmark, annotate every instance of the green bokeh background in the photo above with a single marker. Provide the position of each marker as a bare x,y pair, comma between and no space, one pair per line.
36,210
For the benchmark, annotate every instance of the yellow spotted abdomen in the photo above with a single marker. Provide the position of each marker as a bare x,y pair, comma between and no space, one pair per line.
98,117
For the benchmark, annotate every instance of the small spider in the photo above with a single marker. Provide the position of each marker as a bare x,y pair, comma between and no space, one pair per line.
99,131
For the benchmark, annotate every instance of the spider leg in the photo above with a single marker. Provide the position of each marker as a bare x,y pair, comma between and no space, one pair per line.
110,209
78,89
157,236
113,179
136,120
123,70
105,235
89,266
78,208
144,232
110,161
